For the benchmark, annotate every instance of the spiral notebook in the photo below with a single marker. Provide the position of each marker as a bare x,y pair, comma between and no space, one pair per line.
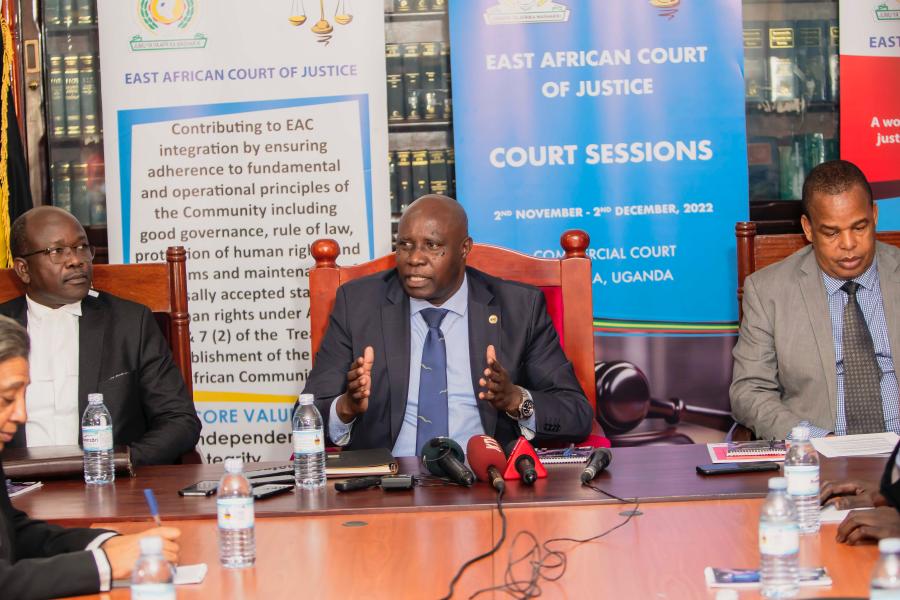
756,448
564,456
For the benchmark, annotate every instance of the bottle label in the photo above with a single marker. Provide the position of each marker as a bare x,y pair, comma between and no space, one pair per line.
153,591
97,439
235,513
782,539
802,480
310,441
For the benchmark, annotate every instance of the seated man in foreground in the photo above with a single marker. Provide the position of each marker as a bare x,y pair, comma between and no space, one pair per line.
434,348
86,341
814,342
38,560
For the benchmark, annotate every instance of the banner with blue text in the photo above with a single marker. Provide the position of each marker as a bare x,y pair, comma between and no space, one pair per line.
624,118
245,131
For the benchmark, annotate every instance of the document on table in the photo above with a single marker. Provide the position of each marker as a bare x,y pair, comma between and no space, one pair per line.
184,575
864,444
830,514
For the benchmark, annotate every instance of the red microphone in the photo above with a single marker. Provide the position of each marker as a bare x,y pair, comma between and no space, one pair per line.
523,462
486,459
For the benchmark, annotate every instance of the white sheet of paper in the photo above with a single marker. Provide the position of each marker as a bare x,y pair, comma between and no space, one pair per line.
187,574
184,575
830,514
864,444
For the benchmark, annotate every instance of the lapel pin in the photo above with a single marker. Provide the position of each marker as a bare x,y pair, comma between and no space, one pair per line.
493,319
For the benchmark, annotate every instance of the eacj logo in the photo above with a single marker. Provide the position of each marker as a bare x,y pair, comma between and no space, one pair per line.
157,14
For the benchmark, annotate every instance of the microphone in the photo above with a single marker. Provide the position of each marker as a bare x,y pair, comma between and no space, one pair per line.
486,459
443,457
523,462
598,461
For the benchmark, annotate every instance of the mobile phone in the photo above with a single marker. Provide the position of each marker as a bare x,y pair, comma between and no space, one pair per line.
271,489
746,467
201,488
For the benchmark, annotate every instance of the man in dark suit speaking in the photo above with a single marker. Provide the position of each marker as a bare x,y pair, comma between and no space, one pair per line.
84,341
435,348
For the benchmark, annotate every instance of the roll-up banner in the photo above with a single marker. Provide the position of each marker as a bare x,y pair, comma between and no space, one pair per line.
624,118
245,132
870,99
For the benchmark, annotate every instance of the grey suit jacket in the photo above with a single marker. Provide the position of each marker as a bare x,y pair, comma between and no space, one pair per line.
784,364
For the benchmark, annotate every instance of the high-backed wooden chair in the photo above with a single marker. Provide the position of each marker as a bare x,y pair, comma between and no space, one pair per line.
755,252
566,284
162,287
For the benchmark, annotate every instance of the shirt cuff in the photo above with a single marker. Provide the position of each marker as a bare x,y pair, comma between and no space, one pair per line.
103,568
814,432
338,431
528,426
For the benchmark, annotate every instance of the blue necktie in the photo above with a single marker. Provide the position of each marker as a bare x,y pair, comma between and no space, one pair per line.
432,418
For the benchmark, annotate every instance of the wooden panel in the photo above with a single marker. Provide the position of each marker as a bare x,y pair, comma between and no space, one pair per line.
662,553
654,473
391,556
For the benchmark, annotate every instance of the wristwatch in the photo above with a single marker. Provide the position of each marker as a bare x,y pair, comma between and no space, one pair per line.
525,409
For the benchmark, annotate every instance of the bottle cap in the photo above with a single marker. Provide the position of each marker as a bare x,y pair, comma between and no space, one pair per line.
307,399
889,546
777,483
800,433
234,465
95,398
152,544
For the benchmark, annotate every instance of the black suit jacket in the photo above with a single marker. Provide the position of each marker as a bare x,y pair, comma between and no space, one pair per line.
38,560
374,311
124,356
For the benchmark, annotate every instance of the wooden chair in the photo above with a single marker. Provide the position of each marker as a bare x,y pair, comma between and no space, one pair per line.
566,283
162,287
755,252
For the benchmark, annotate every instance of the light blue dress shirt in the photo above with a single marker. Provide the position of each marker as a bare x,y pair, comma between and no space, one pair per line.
872,304
464,420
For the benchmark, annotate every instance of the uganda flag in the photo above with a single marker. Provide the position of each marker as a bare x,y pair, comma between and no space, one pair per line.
15,193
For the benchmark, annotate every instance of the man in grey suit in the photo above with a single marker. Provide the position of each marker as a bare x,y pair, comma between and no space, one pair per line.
821,329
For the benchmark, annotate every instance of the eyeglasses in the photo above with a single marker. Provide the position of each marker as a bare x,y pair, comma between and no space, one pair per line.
58,254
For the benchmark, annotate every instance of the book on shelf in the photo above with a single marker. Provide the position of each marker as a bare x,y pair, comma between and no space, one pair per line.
754,61
782,61
812,59
419,173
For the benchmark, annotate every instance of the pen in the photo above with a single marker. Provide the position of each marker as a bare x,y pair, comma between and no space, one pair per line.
154,508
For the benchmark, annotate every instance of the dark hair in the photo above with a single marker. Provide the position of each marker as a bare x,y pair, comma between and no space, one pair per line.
832,178
13,340
17,240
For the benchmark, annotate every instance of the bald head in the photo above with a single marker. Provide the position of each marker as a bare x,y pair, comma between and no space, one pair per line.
432,245
24,228
442,207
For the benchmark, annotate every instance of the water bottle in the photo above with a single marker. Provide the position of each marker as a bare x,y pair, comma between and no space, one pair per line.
801,468
237,542
886,577
153,576
309,445
97,440
779,543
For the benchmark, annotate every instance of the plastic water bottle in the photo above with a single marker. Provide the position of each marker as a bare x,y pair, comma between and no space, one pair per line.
801,468
153,576
886,577
97,441
237,541
779,543
309,445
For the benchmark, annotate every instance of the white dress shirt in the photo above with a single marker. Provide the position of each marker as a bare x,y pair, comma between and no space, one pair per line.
52,397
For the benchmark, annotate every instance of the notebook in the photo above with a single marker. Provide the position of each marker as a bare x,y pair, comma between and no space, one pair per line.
718,453
756,448
564,456
359,463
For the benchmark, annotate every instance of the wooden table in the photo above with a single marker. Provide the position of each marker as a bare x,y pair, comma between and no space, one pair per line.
375,544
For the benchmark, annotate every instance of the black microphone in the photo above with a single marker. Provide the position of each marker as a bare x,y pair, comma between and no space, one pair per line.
598,461
523,462
486,459
443,457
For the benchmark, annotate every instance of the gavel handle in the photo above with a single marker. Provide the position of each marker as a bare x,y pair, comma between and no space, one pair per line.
674,409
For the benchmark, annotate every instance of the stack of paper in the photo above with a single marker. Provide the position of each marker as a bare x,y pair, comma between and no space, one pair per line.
864,444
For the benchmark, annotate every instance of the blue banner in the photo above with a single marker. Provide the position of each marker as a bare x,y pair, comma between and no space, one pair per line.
624,118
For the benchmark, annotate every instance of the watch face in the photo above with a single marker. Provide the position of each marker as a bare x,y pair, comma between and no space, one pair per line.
527,408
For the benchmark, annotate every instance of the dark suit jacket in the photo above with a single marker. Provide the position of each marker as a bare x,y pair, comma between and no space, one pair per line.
124,356
38,560
374,311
